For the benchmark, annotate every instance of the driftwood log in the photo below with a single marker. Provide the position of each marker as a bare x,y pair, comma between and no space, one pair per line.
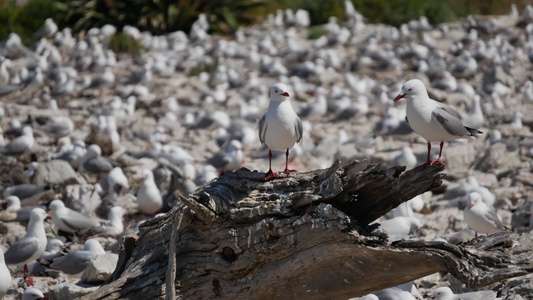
305,234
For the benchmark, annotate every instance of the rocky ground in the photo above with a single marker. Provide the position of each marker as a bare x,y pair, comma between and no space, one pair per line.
184,97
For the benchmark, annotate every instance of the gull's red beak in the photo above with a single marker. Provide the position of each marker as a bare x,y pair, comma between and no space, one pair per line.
3,205
400,96
285,94
470,206
48,218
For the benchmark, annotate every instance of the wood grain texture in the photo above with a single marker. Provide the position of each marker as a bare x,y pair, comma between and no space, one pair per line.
305,234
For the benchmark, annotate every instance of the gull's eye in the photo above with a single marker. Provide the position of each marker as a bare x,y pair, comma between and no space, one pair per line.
409,90
276,91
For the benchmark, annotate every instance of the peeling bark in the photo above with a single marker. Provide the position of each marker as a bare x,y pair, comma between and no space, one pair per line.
239,237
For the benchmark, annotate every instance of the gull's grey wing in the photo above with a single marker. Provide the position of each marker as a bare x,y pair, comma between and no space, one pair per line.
479,295
219,160
15,146
98,165
78,221
299,130
493,217
21,250
25,190
262,129
448,118
73,263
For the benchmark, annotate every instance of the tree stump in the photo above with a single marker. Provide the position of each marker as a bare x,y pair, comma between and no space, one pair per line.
302,234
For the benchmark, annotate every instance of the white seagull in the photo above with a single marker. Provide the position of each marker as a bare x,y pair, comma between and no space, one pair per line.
481,217
20,144
31,246
5,276
280,127
432,120
445,293
47,30
115,226
33,294
93,161
149,198
229,158
76,261
69,220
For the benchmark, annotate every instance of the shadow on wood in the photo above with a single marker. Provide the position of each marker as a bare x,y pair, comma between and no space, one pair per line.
305,234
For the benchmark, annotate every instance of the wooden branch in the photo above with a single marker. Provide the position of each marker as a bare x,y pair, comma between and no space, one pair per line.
303,234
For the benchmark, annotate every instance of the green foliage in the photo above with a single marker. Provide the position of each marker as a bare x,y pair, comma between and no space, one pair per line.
398,12
224,16
122,43
158,16
25,19
316,31
319,11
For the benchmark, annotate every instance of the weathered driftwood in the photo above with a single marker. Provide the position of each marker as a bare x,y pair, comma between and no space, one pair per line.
304,234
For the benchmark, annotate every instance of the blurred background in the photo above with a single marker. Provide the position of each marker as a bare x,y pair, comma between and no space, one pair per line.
225,16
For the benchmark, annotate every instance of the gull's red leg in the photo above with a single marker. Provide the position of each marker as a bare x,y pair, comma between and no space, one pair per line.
428,161
440,153
287,171
27,279
270,175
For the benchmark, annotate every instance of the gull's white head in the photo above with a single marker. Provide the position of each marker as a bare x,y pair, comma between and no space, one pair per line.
93,151
147,175
474,198
412,88
33,294
279,92
38,214
234,145
442,293
12,203
56,205
93,245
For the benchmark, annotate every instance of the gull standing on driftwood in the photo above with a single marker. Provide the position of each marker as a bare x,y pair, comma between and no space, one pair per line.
280,127
432,120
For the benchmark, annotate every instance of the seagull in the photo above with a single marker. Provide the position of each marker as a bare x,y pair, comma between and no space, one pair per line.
115,182
58,126
13,210
149,198
53,249
93,161
406,158
481,217
20,144
29,194
432,120
394,293
33,294
445,293
47,30
280,127
31,246
76,261
5,276
74,155
115,226
69,220
475,117
229,158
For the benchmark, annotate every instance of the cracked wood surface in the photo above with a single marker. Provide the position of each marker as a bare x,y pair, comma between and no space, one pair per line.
302,234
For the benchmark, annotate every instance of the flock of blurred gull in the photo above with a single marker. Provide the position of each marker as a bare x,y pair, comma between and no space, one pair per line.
94,136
